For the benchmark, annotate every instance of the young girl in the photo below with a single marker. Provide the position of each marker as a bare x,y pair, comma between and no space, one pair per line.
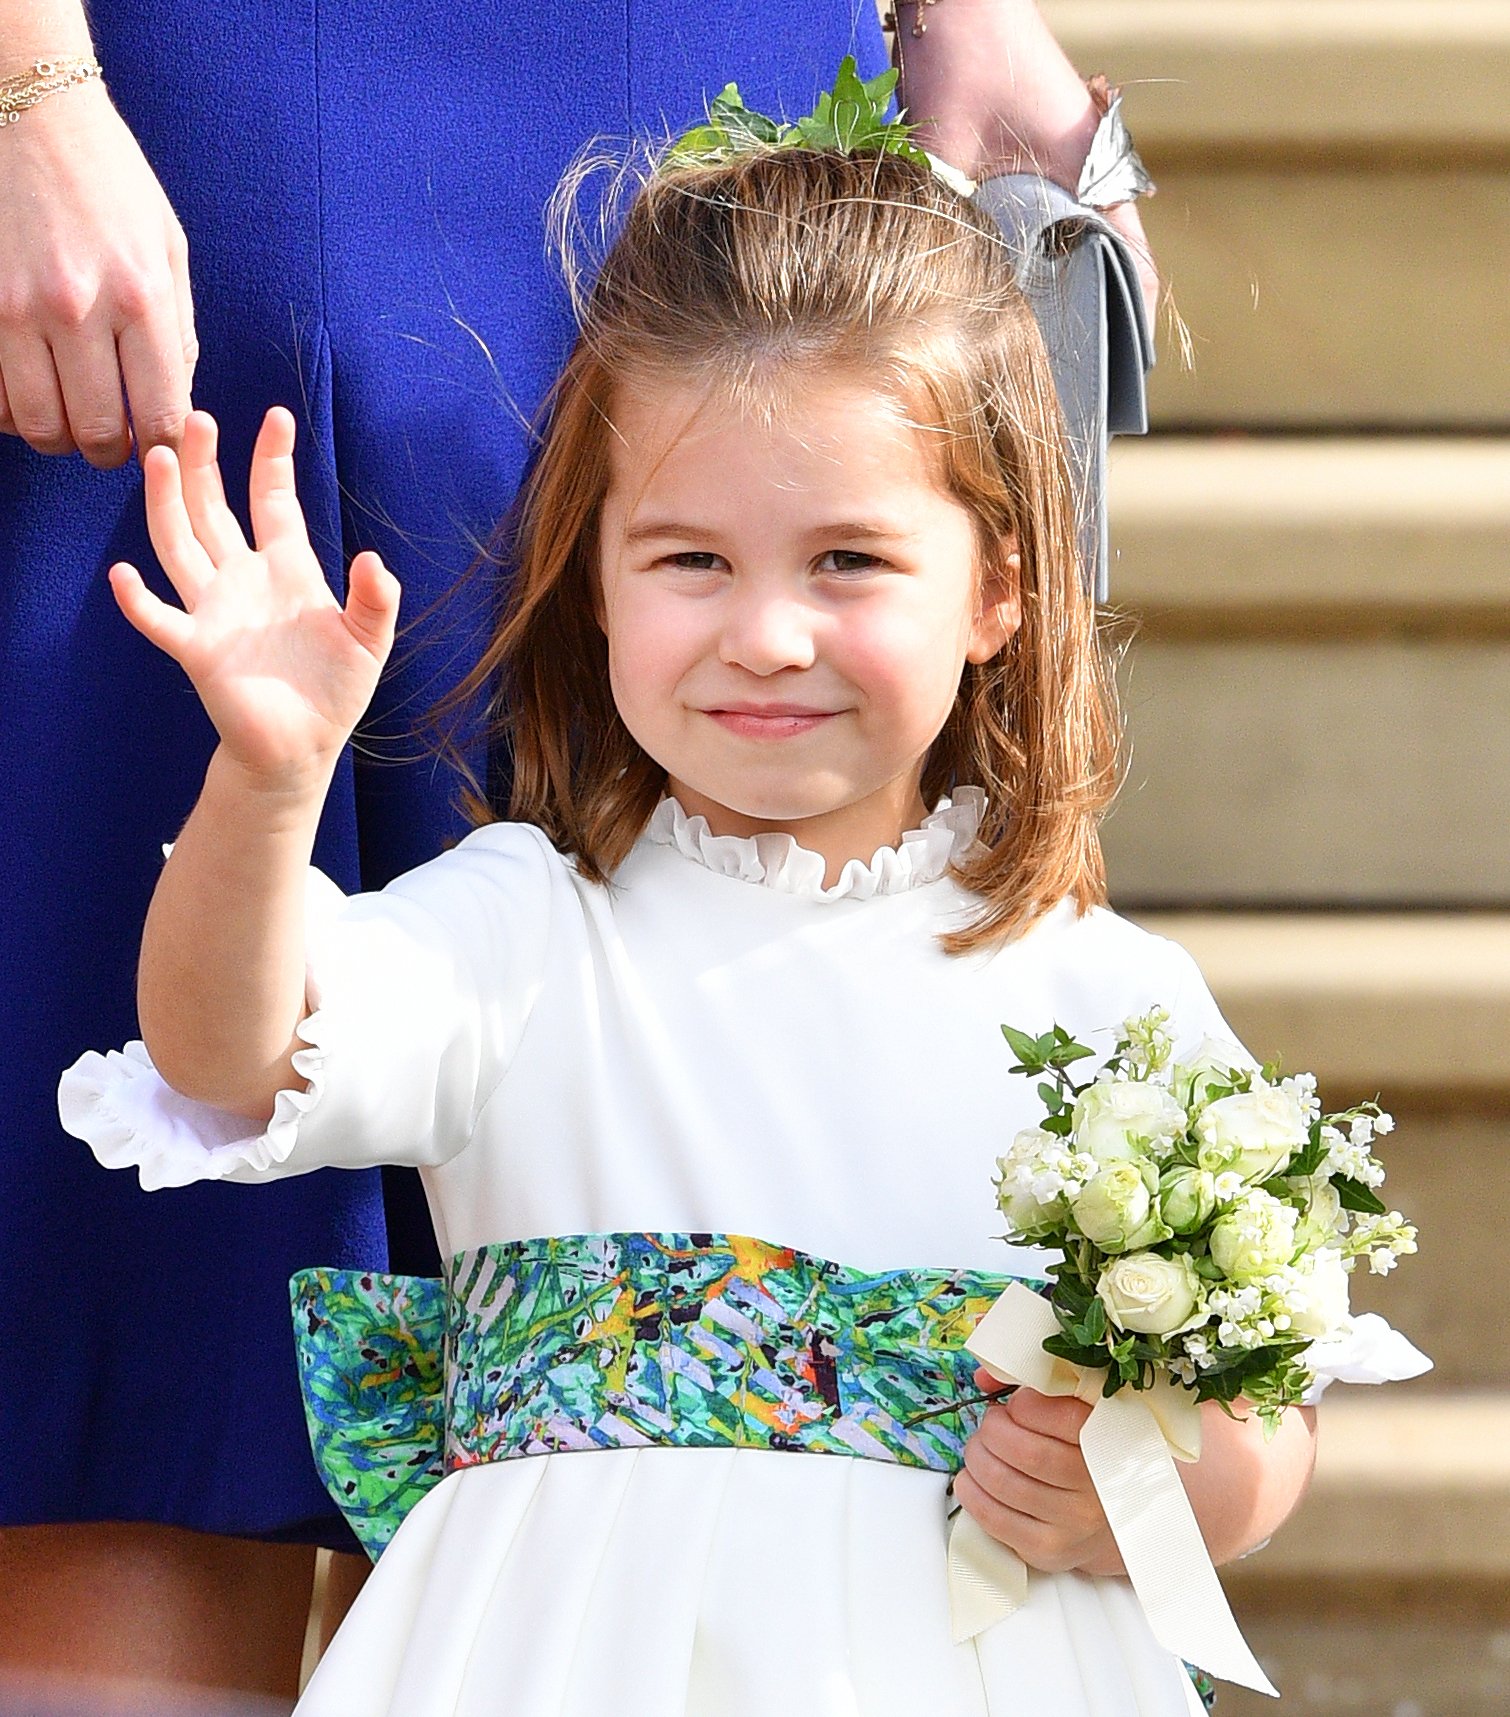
698,1050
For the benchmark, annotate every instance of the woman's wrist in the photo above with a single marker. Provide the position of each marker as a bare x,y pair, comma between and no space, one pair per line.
992,91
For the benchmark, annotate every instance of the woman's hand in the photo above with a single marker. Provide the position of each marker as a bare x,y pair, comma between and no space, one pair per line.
283,669
1026,1483
94,286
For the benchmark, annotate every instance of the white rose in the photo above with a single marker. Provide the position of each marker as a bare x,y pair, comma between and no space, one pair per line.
1321,1208
1150,1295
1251,1133
1318,1301
1214,1063
1118,1119
1028,1217
1116,1210
1255,1238
1187,1197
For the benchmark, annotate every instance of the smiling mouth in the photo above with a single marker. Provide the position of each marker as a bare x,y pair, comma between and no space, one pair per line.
769,721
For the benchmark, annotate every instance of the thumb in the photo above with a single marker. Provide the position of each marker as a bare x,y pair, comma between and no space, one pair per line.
372,598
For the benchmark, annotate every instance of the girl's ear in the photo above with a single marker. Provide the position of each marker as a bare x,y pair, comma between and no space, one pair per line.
998,610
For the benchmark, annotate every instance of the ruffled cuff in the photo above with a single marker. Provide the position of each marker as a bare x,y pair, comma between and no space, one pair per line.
1371,1352
130,1117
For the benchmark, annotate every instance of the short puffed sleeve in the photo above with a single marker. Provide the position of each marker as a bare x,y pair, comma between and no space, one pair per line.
418,998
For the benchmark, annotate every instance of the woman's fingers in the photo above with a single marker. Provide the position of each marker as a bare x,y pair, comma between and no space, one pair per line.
204,494
169,628
183,557
150,348
91,386
372,598
276,513
32,391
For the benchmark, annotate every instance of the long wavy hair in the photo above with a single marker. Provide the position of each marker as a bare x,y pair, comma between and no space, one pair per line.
774,265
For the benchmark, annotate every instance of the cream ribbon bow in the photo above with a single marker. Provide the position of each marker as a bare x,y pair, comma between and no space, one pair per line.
1130,1443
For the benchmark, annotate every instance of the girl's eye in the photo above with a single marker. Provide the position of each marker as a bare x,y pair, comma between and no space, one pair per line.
848,560
695,560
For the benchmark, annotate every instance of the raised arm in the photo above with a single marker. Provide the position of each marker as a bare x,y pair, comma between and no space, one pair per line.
285,673
95,306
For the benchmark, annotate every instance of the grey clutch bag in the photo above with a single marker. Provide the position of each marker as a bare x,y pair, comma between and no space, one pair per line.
1079,276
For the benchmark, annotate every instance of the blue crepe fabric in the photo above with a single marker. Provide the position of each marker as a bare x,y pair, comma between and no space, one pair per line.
362,184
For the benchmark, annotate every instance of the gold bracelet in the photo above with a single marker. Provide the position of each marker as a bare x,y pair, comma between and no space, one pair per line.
919,22
44,78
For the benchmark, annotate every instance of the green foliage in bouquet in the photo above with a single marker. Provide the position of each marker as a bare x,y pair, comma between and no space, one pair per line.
1208,1213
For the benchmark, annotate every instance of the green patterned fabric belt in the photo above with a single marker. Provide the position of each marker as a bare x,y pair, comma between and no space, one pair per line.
621,1341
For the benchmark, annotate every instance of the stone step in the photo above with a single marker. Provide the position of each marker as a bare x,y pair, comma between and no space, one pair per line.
1315,770
1285,76
1332,209
1308,610
1245,535
1416,1003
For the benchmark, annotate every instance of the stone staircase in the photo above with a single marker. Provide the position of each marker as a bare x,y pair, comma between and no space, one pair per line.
1315,545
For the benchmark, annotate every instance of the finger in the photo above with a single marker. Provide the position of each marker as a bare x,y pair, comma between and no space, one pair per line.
204,493
157,381
1004,1484
1047,1458
169,628
276,513
91,382
183,558
1058,1416
183,295
988,1384
1040,1544
32,392
372,598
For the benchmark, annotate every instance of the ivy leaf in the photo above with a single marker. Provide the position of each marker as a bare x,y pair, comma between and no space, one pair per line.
1063,1348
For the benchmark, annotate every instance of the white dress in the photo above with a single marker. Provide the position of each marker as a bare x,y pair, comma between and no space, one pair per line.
716,1042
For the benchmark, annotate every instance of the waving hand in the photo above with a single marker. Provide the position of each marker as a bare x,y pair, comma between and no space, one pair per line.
283,669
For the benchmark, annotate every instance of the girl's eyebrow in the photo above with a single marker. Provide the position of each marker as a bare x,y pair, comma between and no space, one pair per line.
649,528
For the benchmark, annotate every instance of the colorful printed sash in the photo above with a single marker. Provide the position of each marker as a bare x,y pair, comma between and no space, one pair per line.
612,1341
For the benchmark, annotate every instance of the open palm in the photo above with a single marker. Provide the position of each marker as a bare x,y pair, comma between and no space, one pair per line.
283,669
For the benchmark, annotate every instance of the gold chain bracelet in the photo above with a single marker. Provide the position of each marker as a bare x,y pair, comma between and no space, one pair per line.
42,79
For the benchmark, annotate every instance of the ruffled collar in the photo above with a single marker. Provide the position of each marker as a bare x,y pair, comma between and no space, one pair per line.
776,861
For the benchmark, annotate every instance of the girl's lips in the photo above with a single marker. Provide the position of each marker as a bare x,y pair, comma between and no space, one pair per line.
776,722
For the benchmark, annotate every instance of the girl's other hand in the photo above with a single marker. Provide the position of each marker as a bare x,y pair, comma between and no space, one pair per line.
1025,1482
283,669
94,286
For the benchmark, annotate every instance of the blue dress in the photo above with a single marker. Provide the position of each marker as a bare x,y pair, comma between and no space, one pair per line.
362,186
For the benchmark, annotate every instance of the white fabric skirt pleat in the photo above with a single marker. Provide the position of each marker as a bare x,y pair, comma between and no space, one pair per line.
666,1582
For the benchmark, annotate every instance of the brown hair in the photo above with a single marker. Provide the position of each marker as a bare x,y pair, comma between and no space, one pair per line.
741,274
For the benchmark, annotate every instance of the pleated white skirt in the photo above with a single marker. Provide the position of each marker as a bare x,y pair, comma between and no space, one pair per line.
667,1582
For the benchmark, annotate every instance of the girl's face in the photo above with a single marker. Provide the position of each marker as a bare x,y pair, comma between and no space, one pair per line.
789,608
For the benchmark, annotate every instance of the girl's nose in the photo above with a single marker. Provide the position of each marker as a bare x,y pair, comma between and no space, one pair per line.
765,632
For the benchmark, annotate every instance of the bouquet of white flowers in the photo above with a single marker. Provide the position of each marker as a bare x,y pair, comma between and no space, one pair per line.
1207,1211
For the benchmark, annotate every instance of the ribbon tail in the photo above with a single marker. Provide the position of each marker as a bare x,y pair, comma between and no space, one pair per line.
987,1581
1161,1543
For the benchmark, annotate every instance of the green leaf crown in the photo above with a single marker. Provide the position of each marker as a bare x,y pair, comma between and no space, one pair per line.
849,118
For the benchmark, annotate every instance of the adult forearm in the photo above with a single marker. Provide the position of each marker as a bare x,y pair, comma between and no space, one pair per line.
40,29
221,982
992,90
1244,1488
